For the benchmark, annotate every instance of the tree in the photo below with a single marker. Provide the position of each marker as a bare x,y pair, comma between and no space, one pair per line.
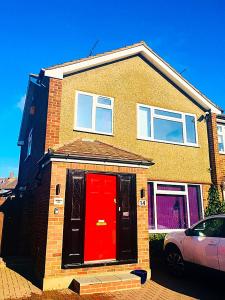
215,204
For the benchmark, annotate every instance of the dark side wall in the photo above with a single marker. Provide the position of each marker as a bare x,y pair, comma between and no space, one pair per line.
36,115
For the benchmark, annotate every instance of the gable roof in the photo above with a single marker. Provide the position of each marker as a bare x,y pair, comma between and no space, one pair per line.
93,150
60,70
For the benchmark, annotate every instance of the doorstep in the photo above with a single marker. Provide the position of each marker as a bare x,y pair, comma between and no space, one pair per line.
105,283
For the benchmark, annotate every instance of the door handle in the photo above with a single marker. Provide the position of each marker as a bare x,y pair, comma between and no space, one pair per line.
212,243
101,223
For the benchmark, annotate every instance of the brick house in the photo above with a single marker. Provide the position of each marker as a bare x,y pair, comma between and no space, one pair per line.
112,147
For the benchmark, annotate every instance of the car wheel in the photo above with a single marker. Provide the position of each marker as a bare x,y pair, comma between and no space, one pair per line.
175,262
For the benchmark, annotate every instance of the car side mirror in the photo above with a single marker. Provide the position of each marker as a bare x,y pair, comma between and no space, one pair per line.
189,232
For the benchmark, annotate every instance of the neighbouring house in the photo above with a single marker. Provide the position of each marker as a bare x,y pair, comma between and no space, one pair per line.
7,186
7,200
113,147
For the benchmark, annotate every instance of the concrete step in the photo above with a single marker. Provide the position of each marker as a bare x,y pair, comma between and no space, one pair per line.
105,283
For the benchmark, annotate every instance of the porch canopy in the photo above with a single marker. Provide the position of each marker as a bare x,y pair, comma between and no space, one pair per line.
93,151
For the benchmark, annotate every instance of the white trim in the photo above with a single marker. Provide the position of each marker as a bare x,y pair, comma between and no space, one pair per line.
95,105
182,120
165,231
60,71
179,193
221,134
220,121
95,162
187,205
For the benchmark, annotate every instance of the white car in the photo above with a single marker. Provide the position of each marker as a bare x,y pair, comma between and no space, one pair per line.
202,244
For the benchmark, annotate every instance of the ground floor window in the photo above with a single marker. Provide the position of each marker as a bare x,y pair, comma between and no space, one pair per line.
173,206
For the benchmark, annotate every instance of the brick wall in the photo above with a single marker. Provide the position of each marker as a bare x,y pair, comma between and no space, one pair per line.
55,226
53,116
217,159
40,222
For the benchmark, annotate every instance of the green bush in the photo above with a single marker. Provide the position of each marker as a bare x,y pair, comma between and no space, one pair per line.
156,241
215,204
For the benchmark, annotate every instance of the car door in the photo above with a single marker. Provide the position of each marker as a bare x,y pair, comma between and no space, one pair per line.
202,246
221,249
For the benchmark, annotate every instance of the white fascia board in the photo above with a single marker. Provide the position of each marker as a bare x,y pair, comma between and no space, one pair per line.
92,62
95,162
150,56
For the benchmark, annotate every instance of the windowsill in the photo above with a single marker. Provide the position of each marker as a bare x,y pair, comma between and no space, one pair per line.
222,153
165,230
93,132
170,143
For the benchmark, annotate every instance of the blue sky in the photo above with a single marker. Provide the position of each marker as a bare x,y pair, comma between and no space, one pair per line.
188,34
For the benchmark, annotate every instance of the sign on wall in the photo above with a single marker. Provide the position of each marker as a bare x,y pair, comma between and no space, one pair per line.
142,202
58,201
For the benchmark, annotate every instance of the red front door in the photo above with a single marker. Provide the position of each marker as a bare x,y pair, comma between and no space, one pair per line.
100,218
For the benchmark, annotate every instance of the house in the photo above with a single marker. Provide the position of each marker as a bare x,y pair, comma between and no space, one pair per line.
7,186
112,146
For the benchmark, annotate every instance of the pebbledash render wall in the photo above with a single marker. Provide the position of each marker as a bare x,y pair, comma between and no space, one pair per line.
129,82
48,266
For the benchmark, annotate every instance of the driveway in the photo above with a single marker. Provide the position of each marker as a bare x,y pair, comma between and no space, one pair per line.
197,284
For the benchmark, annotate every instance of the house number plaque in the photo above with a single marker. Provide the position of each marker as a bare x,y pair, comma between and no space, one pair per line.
142,202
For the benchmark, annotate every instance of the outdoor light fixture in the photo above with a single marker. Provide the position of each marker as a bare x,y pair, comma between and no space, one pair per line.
56,211
142,193
223,189
57,189
223,185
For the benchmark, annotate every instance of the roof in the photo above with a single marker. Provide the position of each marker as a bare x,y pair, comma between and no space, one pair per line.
86,149
8,184
60,70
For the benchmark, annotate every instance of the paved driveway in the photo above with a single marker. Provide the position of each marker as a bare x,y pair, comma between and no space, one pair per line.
197,284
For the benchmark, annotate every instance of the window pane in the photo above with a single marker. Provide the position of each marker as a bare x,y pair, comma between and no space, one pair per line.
151,219
190,129
195,207
144,125
211,228
167,113
170,187
165,130
104,100
84,111
171,212
221,143
219,129
103,120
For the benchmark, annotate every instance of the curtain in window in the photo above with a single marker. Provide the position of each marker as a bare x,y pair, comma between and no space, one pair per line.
194,203
171,212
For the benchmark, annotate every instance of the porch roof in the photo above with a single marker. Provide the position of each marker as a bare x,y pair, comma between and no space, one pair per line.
86,149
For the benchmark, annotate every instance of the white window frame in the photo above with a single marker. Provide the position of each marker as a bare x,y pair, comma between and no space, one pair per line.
94,108
179,193
182,120
29,143
222,134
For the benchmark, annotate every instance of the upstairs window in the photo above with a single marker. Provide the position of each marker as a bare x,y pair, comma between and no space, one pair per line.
94,113
29,143
156,124
221,138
